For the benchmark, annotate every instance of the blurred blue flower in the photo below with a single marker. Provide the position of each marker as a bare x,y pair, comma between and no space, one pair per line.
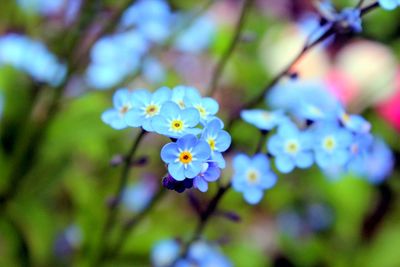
175,122
252,176
378,162
153,71
210,172
304,99
197,37
389,4
319,216
146,105
291,147
137,196
349,19
218,139
262,119
67,242
32,57
152,18
115,117
331,145
165,252
185,157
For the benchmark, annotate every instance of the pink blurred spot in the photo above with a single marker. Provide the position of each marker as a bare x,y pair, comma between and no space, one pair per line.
390,109
342,86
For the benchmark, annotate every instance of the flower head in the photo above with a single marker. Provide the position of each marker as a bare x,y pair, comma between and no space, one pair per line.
209,173
115,117
175,122
218,139
291,148
206,106
331,145
252,176
185,157
165,252
146,106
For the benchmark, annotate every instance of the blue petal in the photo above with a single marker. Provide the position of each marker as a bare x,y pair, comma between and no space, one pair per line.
388,4
177,171
121,97
212,174
200,184
323,160
284,163
147,125
160,124
170,110
169,153
193,169
187,142
140,98
219,159
162,95
275,145
268,180
261,162
223,141
253,195
190,116
192,97
134,117
288,130
201,151
304,159
210,105
241,162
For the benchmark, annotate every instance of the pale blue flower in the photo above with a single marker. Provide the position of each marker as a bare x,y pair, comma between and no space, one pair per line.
115,117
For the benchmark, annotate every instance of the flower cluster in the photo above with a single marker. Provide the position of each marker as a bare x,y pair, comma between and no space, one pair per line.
166,252
186,117
317,129
144,24
32,57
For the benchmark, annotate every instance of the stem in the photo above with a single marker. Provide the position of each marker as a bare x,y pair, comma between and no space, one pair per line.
135,220
219,68
113,211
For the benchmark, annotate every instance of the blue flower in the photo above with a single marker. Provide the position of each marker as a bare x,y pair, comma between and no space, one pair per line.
204,254
206,106
291,148
165,252
263,120
252,176
349,19
178,94
175,122
115,117
136,197
389,4
218,139
185,158
146,105
331,145
209,173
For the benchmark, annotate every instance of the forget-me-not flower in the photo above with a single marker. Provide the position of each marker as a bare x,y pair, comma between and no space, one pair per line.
291,147
354,123
331,145
146,105
115,117
206,106
252,176
175,122
218,139
165,252
186,156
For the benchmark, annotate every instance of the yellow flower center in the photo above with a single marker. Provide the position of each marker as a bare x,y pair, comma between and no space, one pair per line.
329,143
292,147
185,157
266,115
176,125
345,117
252,176
151,110
211,142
